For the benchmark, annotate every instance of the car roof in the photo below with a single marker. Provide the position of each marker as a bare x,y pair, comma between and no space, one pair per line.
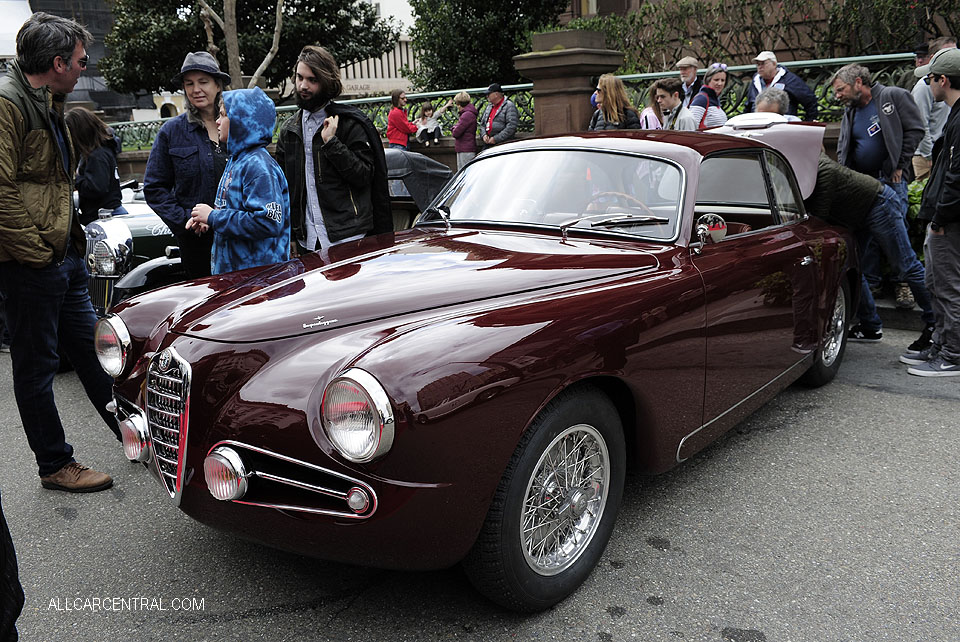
656,141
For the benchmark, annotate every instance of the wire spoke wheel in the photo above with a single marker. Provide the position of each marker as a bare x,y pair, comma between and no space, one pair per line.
564,500
836,327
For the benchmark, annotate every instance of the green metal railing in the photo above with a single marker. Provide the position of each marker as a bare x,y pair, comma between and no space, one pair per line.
886,69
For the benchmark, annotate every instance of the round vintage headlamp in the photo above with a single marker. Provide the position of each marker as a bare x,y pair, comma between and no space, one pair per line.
112,344
104,261
225,474
133,431
357,416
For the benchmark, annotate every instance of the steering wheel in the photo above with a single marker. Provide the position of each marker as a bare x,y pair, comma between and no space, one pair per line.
628,201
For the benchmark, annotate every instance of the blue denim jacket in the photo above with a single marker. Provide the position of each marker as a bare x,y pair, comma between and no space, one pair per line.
179,172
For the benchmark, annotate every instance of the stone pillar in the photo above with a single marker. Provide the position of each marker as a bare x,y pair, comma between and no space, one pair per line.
563,66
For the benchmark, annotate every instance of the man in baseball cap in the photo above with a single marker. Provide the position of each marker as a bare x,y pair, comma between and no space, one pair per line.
771,74
940,208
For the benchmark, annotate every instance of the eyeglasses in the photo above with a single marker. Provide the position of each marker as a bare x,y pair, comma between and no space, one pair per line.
933,77
82,62
719,65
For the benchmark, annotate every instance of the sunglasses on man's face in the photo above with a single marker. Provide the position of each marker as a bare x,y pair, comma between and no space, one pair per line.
82,62
933,77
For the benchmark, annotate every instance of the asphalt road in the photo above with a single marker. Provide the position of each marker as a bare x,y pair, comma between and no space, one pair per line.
830,514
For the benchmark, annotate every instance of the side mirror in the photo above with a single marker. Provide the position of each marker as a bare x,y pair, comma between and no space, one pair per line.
712,228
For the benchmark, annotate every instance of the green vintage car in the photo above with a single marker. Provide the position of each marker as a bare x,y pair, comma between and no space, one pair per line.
130,253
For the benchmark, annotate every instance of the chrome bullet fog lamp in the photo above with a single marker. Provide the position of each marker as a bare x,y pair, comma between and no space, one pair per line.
358,500
133,431
225,474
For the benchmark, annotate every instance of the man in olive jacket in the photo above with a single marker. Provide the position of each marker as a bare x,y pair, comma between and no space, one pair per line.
333,159
42,270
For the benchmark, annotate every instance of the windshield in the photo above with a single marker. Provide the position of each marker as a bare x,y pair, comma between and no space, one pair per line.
579,190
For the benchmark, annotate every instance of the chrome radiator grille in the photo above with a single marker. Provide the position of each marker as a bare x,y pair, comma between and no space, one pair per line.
101,293
167,397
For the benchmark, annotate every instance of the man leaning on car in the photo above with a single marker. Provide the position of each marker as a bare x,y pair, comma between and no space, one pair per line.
42,270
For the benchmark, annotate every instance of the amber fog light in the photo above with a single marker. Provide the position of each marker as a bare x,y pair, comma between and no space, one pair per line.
111,341
133,431
357,416
225,474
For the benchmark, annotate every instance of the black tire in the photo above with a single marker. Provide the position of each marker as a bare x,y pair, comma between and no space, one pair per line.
499,565
827,360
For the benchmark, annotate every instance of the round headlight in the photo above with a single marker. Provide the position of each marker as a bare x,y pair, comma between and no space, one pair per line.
225,474
357,416
112,343
104,261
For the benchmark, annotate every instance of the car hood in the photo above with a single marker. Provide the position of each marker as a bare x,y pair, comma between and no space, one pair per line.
411,272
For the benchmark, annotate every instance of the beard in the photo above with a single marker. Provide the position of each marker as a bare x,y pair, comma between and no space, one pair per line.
313,103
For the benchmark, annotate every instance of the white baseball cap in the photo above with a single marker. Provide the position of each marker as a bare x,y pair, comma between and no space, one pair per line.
765,55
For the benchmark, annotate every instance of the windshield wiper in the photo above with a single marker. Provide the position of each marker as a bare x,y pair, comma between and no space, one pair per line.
630,220
442,211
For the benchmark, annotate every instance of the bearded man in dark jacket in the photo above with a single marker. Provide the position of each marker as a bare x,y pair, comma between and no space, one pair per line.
333,159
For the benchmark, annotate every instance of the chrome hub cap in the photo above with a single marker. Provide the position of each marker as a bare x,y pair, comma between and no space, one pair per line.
835,330
564,500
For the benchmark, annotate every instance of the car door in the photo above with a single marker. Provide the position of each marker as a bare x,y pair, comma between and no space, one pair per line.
759,281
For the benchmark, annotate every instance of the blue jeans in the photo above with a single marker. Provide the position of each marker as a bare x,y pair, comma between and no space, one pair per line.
885,226
870,260
396,146
46,307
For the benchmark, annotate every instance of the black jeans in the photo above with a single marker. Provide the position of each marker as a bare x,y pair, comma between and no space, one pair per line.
42,306
11,592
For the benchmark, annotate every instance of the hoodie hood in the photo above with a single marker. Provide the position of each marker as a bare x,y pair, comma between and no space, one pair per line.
252,119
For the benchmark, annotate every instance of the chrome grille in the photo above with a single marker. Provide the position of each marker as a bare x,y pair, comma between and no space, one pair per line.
167,397
101,293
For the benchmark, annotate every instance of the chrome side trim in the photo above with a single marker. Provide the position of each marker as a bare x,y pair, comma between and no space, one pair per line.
347,514
783,374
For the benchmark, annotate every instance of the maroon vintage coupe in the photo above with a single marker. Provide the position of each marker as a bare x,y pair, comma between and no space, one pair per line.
473,389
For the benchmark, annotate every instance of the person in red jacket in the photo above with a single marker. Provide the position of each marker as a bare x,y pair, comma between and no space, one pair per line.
398,127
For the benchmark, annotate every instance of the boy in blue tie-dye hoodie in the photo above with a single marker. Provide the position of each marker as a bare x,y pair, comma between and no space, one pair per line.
250,218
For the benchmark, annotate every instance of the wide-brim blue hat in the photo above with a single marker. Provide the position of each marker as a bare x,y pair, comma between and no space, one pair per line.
200,61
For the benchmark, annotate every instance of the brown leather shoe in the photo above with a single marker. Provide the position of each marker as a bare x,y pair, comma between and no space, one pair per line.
76,478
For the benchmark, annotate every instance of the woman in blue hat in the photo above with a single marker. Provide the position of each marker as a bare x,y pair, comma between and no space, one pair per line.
187,160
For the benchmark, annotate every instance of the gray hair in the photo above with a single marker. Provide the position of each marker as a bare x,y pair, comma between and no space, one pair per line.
777,97
43,37
849,73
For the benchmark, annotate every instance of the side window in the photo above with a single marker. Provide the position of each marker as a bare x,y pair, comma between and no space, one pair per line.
785,191
734,186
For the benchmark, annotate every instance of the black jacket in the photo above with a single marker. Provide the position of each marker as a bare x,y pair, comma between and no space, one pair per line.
98,181
941,196
631,120
350,172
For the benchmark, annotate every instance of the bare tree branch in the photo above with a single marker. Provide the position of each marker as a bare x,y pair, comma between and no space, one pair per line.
208,27
273,48
211,13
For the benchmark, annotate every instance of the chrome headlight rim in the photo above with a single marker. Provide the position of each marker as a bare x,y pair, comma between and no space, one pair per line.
379,401
119,329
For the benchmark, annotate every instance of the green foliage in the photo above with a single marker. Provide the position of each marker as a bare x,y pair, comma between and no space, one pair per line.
150,38
471,43
656,35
